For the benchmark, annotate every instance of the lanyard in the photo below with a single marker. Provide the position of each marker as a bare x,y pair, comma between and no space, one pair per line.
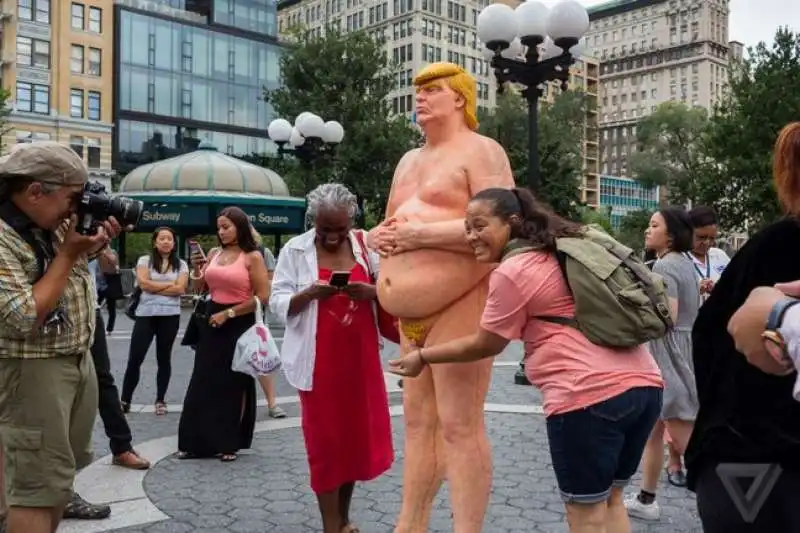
700,272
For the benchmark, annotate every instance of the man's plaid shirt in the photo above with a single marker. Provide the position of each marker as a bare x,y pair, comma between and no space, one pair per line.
20,336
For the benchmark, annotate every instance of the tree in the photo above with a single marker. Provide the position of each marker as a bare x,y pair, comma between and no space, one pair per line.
632,228
345,77
671,150
599,217
762,98
561,125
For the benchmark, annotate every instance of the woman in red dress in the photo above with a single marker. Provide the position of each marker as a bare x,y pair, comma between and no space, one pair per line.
331,352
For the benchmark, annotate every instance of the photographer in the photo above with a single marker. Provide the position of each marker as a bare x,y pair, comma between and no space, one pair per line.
48,386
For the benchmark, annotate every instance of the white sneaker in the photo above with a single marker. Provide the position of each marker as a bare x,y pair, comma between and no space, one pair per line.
642,511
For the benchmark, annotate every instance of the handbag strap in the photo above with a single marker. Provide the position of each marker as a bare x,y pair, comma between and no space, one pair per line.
365,253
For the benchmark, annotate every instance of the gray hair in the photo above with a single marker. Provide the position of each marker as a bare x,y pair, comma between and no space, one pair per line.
330,196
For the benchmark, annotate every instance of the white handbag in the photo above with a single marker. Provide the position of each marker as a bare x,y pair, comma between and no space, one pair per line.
256,351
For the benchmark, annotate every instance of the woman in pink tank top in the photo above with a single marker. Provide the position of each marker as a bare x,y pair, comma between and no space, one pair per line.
219,410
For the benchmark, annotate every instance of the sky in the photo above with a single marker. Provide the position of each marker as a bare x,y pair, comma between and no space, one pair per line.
751,21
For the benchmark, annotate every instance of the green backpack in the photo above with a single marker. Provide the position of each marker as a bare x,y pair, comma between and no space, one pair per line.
619,302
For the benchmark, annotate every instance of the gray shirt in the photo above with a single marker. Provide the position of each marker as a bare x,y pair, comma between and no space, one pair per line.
94,268
269,259
160,304
679,276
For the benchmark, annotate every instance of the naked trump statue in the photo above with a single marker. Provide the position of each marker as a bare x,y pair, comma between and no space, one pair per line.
431,281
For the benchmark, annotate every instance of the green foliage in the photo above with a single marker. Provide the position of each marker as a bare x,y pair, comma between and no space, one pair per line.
600,217
347,78
632,227
671,150
762,98
560,145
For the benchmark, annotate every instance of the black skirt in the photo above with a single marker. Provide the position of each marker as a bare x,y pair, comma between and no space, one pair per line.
219,409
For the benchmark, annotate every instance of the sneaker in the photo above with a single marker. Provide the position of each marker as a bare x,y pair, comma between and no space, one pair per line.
83,510
642,511
277,412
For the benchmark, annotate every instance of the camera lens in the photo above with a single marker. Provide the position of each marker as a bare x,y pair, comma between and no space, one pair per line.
126,210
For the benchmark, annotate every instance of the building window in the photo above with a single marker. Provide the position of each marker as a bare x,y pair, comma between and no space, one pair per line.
76,59
93,153
93,105
33,98
77,16
33,53
76,103
95,19
76,143
95,61
35,10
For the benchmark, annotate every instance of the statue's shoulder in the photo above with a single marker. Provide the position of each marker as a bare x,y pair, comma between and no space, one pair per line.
481,145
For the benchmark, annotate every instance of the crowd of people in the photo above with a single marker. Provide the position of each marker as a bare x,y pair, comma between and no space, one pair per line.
463,265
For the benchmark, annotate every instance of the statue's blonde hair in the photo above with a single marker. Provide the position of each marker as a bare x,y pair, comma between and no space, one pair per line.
459,80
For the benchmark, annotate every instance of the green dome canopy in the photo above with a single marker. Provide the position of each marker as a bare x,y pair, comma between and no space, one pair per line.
204,170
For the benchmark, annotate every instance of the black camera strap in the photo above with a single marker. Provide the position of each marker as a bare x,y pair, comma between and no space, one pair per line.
41,242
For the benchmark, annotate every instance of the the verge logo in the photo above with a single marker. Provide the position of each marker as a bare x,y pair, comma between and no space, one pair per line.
763,476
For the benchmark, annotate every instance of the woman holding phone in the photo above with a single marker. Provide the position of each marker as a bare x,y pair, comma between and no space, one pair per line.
219,409
323,290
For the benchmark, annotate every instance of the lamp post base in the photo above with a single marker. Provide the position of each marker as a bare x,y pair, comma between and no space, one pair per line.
519,376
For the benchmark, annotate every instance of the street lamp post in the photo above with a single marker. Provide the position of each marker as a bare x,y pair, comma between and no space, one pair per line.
309,138
509,34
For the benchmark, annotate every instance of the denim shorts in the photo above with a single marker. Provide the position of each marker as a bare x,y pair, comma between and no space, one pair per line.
599,447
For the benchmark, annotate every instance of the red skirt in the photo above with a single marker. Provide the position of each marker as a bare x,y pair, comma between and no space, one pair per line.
345,417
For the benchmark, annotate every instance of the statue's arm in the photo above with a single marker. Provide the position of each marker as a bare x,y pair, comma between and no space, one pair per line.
487,167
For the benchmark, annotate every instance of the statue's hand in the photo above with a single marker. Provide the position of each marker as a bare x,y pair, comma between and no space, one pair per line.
406,236
382,237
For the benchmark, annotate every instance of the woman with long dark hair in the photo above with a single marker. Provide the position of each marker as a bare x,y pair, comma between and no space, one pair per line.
162,276
669,235
219,410
600,403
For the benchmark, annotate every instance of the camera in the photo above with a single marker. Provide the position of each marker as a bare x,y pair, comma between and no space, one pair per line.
96,206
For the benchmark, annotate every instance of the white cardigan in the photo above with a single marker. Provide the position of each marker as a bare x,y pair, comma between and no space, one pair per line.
296,271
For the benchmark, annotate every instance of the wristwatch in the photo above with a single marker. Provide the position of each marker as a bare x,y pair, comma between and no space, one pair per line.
775,343
231,313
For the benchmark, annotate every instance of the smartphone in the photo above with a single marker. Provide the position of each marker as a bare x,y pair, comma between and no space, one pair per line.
195,248
339,279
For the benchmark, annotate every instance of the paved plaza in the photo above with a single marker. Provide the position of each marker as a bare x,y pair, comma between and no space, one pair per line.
266,490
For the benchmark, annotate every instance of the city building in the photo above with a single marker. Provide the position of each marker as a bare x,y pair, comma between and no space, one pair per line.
736,51
624,195
419,32
57,66
650,52
192,70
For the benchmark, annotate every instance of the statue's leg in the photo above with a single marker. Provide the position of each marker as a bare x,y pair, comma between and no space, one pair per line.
461,390
422,472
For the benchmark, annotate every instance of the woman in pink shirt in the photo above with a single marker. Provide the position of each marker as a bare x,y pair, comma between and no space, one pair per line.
600,404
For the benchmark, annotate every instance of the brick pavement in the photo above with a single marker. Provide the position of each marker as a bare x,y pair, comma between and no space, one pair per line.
266,490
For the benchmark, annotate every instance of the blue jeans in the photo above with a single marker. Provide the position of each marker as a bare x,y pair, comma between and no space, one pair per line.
599,447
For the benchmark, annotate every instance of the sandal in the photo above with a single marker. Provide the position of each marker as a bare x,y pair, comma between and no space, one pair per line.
161,408
676,478
83,510
350,528
227,457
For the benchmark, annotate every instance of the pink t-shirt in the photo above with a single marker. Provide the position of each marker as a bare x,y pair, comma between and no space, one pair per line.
571,372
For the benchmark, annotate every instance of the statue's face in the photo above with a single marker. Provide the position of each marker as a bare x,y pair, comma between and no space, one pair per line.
436,101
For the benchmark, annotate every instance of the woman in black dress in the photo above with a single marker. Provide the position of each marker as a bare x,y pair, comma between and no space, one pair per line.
219,408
